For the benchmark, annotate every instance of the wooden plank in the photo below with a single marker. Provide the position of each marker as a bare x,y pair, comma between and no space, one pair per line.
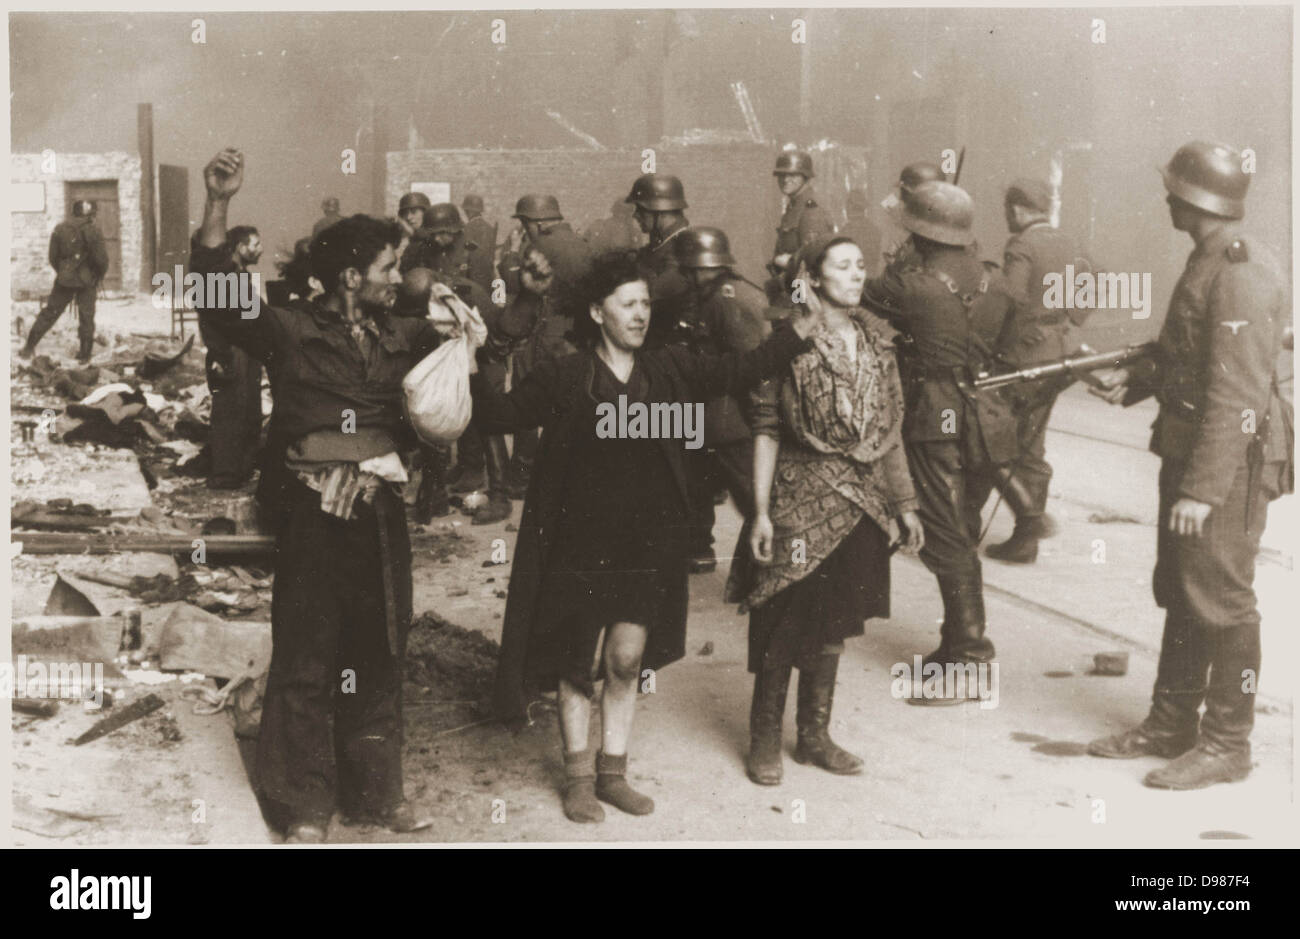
57,542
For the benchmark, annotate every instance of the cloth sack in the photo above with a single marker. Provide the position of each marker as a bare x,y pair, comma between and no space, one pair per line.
437,389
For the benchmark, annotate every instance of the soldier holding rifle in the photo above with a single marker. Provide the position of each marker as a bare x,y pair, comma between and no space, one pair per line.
1222,436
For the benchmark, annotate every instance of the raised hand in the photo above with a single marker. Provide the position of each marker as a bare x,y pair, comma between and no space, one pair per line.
224,173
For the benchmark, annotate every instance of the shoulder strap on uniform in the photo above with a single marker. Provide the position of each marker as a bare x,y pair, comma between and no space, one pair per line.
1237,252
966,299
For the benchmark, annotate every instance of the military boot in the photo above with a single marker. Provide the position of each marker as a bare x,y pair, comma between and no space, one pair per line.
1022,546
962,640
1170,728
1222,754
497,508
816,695
766,715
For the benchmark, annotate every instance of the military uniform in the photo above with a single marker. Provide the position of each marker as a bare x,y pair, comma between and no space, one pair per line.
731,316
1217,355
803,222
949,309
453,261
481,245
1036,333
80,261
1225,438
671,293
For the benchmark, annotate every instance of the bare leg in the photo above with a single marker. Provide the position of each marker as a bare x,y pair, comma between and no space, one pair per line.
575,717
624,646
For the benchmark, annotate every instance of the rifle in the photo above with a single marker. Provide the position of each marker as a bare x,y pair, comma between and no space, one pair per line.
1072,366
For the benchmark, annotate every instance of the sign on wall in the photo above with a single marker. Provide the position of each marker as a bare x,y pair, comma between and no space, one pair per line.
437,192
27,197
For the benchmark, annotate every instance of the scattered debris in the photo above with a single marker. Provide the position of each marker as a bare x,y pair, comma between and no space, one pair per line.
195,640
111,543
133,711
456,664
1110,663
36,707
706,649
1113,518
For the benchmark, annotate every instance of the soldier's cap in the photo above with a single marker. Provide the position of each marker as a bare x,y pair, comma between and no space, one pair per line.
1030,193
703,247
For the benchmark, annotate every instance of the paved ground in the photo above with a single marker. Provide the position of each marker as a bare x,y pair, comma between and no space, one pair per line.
1016,771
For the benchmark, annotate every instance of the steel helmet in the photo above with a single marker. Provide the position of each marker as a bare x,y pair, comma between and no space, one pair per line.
794,161
472,203
444,217
656,193
703,247
917,174
413,200
538,208
83,208
938,211
1208,176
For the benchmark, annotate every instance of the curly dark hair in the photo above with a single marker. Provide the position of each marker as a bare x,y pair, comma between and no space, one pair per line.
609,271
354,242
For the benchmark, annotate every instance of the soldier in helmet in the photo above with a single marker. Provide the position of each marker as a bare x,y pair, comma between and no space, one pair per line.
660,203
912,176
440,245
730,316
950,312
412,210
480,241
80,262
1034,333
1221,435
803,220
543,265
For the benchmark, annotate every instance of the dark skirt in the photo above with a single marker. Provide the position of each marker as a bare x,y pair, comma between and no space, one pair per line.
827,606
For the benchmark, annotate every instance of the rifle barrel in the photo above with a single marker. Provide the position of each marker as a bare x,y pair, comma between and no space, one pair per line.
1078,363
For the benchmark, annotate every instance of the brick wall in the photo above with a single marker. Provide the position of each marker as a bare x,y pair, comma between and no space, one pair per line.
728,186
30,272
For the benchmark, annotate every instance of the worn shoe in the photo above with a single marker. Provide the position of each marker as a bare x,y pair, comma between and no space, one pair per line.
579,791
1201,767
305,833
816,696
1143,740
612,787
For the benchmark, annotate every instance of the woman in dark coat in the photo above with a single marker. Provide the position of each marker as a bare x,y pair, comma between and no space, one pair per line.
601,544
830,485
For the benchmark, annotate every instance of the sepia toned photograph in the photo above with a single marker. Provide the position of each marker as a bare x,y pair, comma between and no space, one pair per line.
685,426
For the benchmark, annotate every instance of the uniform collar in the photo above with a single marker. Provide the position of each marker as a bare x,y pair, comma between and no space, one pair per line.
1223,236
670,237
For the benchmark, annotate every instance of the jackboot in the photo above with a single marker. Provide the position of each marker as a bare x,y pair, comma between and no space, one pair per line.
1222,754
766,715
816,695
962,641
961,637
1171,726
579,790
498,505
1022,546
612,787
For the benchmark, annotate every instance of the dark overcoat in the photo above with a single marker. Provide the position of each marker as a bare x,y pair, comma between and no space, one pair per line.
557,396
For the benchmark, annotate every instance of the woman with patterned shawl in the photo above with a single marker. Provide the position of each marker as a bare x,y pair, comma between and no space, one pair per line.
830,486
